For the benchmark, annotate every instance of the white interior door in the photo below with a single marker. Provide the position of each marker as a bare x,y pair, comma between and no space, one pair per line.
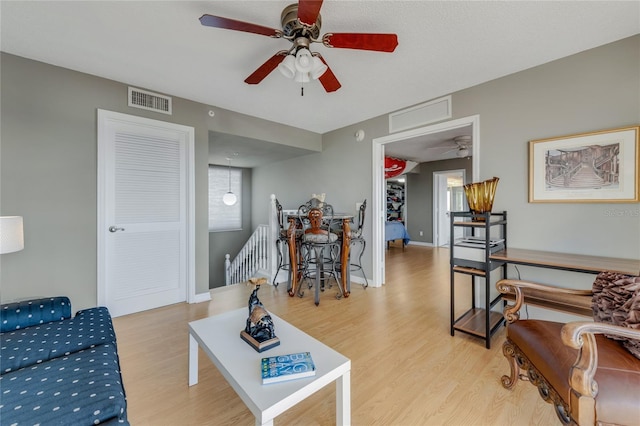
143,189
457,202
448,196
441,209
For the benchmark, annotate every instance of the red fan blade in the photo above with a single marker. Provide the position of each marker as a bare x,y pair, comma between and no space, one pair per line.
328,79
308,11
232,24
266,68
377,42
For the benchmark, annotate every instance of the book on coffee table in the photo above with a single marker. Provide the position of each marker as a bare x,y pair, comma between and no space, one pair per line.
282,368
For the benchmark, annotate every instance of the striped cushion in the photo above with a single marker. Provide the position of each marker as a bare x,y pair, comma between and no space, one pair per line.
33,345
82,388
320,238
14,316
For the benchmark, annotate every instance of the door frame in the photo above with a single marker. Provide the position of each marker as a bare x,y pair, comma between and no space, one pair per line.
379,215
437,188
102,224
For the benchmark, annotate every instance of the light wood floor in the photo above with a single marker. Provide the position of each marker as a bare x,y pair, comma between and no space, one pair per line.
406,368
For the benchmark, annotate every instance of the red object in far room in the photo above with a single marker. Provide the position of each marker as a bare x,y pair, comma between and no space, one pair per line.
393,167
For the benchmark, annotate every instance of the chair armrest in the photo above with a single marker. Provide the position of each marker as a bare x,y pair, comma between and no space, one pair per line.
581,335
523,288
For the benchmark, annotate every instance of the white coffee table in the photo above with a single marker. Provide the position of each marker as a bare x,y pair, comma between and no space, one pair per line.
239,363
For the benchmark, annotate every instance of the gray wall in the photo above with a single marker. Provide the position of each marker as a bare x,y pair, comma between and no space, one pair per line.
48,169
48,176
419,194
48,162
342,170
593,90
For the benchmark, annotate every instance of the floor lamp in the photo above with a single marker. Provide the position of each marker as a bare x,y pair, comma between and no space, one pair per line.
11,234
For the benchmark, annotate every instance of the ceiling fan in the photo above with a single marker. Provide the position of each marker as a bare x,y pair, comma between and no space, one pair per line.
301,25
461,145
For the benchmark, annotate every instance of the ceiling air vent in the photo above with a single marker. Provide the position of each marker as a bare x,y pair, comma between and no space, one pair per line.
142,99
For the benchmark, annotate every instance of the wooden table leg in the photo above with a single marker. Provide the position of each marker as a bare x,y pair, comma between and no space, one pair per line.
344,257
293,257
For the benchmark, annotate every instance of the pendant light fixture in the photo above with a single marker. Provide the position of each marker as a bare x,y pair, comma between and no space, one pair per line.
229,198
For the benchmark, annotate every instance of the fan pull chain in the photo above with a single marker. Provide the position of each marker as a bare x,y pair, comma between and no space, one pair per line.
301,90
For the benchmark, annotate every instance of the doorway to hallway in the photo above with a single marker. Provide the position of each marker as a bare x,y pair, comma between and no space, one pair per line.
448,196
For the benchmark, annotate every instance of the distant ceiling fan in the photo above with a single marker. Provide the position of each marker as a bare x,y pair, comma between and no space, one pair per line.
301,24
461,145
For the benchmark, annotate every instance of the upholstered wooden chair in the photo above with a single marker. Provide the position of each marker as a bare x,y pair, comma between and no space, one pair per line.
589,371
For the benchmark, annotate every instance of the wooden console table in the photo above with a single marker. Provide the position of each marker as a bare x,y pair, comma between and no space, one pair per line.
567,262
574,304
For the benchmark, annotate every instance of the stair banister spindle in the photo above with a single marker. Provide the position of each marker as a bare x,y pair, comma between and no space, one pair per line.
258,255
227,265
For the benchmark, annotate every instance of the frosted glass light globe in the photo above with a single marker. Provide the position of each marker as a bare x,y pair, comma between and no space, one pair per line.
229,198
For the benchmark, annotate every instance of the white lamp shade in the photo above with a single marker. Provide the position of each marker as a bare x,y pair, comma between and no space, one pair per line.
302,77
11,234
304,60
463,152
229,198
319,68
288,66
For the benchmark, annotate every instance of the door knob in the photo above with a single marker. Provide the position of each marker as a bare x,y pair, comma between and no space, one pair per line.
115,229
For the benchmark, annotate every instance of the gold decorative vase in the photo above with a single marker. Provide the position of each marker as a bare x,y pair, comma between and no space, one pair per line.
480,195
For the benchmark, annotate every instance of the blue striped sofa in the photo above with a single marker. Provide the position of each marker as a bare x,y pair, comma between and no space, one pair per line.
56,369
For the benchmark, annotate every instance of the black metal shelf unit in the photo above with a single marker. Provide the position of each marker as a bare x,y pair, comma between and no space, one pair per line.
470,255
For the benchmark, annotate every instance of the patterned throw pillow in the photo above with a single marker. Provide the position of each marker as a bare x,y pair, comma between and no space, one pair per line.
616,300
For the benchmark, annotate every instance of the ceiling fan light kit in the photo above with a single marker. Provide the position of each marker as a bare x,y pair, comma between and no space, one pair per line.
288,66
462,152
301,23
319,68
463,142
302,77
303,60
302,67
461,146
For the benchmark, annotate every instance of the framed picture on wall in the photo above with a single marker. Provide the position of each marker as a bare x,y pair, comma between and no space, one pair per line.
596,167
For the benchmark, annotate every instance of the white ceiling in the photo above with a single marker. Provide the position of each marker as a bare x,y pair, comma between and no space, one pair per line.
444,46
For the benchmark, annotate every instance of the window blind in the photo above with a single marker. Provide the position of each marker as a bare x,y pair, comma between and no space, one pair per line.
221,216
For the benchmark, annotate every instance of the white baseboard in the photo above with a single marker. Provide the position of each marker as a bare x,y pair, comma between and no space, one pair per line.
202,297
358,280
420,243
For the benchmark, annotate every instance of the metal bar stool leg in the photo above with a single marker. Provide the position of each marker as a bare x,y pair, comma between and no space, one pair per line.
319,272
280,260
364,245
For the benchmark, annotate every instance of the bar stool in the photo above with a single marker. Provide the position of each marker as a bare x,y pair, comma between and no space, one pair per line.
319,247
282,244
356,238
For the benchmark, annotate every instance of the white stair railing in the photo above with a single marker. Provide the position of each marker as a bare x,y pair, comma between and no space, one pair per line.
258,256
252,258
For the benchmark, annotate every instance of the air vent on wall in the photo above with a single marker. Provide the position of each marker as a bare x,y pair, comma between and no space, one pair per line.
420,115
142,99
